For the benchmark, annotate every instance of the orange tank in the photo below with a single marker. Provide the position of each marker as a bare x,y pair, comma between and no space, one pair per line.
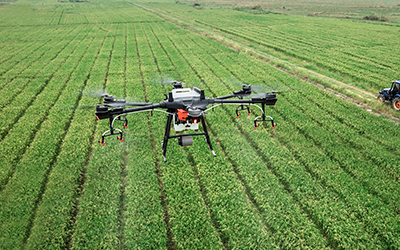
182,114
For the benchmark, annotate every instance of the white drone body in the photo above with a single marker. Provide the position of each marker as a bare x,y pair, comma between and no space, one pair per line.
183,120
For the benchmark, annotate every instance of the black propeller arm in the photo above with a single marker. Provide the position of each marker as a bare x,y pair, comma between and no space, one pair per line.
102,112
245,91
124,104
264,98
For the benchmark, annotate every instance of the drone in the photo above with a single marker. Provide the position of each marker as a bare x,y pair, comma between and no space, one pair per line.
185,109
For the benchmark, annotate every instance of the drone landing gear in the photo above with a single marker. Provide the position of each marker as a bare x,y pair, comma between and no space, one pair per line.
184,140
264,119
114,131
242,107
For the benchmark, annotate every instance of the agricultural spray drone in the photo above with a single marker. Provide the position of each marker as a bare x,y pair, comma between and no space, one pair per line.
186,108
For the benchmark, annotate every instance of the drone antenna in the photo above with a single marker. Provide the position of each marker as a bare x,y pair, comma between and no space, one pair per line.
201,92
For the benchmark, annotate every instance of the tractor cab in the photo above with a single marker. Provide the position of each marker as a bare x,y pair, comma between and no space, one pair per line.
395,89
391,94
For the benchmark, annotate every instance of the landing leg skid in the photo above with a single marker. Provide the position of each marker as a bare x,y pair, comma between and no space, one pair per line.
264,118
164,143
207,137
122,118
242,107
114,131
167,136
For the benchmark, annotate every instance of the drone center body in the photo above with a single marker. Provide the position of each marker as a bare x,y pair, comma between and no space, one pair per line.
186,117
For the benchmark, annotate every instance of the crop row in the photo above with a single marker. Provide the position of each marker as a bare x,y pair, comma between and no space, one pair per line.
101,189
188,214
214,188
121,176
323,47
314,182
217,125
373,133
208,79
92,202
39,67
72,13
20,101
29,15
18,205
21,61
205,59
318,115
20,37
143,230
366,142
343,173
23,120
52,226
196,222
145,214
360,121
369,173
107,12
338,61
364,147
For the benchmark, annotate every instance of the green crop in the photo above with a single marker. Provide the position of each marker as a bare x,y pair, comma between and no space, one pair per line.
325,178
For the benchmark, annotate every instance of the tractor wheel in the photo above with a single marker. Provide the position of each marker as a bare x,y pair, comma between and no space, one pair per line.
381,99
396,103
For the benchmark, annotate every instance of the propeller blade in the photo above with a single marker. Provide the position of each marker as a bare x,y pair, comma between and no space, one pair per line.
270,87
168,80
163,80
95,91
87,107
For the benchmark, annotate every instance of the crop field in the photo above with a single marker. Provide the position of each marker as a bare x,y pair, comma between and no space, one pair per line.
327,177
382,11
360,54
